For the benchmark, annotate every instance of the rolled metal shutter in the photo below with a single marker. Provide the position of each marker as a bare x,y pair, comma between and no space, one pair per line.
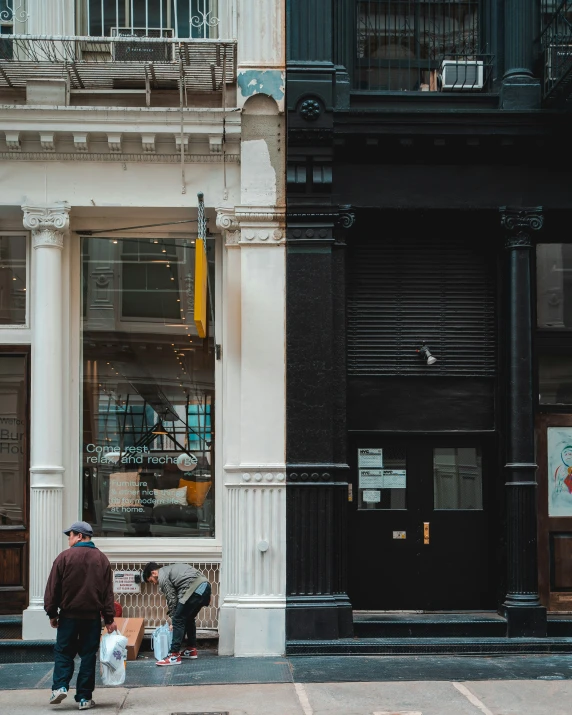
408,290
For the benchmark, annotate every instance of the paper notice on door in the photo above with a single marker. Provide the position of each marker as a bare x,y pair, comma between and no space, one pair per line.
371,478
394,479
370,458
371,495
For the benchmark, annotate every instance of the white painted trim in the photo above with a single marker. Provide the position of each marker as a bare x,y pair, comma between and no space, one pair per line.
173,549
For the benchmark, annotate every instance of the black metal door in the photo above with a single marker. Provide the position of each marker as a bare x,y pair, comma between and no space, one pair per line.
420,524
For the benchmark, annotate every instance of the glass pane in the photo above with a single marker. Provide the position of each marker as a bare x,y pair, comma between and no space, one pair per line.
148,392
555,380
382,478
401,44
457,478
12,280
554,285
13,396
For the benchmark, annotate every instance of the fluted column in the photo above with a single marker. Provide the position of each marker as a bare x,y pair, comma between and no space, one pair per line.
525,615
48,225
253,573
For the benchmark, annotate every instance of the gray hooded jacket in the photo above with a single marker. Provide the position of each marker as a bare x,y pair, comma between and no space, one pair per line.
177,583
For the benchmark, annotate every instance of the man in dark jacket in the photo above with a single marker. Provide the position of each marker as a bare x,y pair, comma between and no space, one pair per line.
79,591
186,591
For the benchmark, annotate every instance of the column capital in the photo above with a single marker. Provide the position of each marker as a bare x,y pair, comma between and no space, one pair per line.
48,223
247,225
519,224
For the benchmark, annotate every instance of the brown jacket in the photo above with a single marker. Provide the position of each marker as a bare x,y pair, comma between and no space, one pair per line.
80,585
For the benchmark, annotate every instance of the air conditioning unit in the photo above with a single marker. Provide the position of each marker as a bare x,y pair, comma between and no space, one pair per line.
461,75
558,60
142,51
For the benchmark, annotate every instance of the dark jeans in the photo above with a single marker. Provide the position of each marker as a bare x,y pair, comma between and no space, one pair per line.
184,620
76,637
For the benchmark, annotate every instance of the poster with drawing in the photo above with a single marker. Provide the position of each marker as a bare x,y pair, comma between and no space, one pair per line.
560,471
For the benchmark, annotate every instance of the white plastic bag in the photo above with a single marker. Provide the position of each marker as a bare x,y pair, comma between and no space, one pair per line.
162,639
112,657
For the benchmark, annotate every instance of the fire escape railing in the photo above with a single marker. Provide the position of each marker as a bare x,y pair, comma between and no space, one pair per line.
107,63
556,44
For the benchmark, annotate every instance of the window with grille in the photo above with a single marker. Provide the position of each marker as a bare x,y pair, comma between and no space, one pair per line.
150,18
402,44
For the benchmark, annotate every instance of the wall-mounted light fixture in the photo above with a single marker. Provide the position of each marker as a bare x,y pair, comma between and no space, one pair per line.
425,353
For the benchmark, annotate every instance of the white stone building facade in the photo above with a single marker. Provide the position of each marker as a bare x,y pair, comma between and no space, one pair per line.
113,395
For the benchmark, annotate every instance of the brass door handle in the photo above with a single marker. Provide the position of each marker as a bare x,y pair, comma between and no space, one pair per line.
425,532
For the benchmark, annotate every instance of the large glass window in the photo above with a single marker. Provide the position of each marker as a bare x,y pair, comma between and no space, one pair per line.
152,18
13,280
402,45
148,391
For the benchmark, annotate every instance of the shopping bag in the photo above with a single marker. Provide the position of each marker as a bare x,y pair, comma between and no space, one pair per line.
112,657
161,640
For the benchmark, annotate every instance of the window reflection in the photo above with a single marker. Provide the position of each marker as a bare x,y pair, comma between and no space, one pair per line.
12,280
457,478
148,392
554,285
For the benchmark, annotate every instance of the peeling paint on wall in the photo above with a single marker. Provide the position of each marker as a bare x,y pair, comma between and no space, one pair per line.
258,175
270,82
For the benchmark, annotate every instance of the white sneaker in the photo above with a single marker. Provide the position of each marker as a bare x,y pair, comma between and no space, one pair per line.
58,695
86,704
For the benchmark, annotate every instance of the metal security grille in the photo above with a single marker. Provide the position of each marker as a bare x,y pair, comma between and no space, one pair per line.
402,292
402,44
150,603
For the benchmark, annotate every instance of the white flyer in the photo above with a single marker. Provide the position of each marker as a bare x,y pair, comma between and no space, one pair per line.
394,479
371,495
371,478
370,458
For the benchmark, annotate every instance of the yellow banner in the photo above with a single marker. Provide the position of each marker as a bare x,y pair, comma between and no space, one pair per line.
201,269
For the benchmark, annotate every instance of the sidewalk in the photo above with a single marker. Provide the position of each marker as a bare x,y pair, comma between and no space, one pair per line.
425,685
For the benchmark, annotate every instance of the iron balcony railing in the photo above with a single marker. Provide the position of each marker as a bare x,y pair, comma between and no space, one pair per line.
107,63
556,43
419,45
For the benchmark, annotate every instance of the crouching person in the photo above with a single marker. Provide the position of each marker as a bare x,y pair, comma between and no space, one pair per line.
186,591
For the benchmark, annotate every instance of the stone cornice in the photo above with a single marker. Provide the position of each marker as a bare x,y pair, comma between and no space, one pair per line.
48,224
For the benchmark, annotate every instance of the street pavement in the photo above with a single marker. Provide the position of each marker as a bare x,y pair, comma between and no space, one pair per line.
424,685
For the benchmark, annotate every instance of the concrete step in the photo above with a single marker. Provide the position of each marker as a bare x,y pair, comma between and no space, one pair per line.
10,627
424,646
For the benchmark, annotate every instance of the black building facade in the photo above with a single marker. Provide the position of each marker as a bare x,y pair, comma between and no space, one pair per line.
429,383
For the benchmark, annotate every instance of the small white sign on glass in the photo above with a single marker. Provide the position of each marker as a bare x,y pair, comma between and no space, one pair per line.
370,458
372,496
394,478
371,478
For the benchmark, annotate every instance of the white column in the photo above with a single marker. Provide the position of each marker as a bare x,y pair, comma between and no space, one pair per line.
253,573
51,17
48,225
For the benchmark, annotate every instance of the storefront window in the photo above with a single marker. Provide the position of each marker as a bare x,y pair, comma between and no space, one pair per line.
13,280
554,285
148,391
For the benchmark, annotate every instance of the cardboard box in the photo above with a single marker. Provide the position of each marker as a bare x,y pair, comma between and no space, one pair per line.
133,629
